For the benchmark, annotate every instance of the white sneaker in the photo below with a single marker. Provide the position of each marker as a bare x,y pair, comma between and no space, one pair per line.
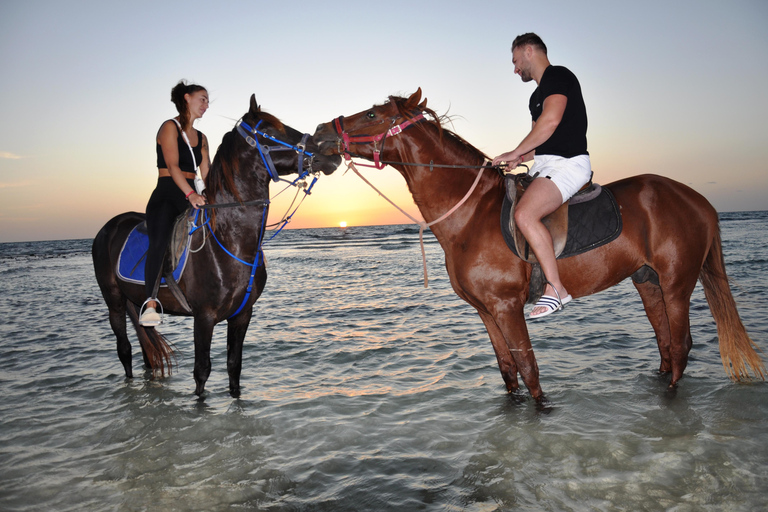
150,318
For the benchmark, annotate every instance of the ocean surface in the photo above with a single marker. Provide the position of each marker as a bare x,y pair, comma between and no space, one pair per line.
362,390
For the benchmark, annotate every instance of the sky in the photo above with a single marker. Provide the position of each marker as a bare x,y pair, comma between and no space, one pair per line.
675,88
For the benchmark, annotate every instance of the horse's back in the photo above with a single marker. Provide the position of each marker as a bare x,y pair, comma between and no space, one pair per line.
651,191
107,244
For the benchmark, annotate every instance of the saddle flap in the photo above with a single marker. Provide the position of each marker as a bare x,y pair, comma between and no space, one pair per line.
593,220
556,222
180,237
130,265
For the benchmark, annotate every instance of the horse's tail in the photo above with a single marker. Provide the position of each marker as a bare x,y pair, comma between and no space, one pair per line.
737,350
158,352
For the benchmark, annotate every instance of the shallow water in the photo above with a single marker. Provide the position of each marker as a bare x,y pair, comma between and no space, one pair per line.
364,391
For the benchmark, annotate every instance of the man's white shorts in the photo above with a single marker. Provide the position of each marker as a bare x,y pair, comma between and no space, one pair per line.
569,174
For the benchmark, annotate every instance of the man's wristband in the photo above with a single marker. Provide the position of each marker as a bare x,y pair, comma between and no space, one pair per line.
190,193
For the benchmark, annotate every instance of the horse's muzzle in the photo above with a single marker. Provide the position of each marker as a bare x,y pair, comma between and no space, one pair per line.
327,140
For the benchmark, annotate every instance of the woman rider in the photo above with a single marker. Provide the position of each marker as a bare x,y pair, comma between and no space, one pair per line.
175,189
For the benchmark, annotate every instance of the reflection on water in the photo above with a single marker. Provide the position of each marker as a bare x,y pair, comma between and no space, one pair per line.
364,391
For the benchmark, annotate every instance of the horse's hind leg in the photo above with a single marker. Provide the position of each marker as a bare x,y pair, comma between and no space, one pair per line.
646,282
202,370
236,329
133,314
117,322
677,304
668,307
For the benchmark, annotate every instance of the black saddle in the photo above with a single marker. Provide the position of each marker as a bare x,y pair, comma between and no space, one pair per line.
591,218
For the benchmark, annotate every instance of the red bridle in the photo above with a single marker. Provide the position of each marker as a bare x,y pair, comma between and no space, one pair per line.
364,139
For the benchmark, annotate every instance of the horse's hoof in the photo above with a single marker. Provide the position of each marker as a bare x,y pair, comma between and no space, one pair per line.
543,405
517,397
671,391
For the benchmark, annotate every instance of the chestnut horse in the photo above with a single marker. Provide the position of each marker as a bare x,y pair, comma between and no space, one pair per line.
670,239
223,279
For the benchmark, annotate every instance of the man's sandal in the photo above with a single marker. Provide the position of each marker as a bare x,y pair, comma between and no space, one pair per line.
551,303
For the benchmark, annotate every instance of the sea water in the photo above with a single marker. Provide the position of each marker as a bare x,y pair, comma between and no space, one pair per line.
362,390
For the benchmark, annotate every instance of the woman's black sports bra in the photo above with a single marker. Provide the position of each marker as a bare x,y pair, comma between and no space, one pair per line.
185,158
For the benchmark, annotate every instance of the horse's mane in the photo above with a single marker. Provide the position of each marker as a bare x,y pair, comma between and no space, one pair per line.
225,166
226,162
465,149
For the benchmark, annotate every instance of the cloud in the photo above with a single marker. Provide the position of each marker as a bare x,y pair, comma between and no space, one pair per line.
14,185
9,156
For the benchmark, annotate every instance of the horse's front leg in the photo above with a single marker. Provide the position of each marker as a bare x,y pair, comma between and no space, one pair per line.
504,357
203,334
511,321
236,329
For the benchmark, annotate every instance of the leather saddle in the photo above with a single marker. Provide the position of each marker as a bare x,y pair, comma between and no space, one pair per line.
591,218
556,222
130,263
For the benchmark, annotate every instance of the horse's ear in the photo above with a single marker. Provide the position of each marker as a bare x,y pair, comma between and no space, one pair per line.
423,104
255,109
414,99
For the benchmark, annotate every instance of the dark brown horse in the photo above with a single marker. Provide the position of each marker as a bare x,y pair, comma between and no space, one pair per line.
223,279
670,238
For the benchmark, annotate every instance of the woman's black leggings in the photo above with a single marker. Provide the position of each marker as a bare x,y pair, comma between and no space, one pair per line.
165,204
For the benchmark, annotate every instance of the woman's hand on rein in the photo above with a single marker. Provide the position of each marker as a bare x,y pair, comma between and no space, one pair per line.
196,200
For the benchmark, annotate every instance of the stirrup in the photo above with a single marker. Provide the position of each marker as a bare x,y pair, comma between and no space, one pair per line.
151,313
552,303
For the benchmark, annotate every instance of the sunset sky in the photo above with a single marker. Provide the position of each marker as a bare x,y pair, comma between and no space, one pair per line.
673,88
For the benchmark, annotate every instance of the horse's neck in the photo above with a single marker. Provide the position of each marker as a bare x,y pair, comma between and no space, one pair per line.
242,224
438,190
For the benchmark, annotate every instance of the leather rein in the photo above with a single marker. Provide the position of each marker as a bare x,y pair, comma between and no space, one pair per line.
347,140
265,151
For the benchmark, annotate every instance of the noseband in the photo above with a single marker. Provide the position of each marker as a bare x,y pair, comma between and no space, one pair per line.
265,150
348,139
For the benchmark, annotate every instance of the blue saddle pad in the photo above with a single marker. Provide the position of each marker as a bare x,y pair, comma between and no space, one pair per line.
130,264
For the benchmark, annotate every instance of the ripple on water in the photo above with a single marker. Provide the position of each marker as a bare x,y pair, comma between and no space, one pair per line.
364,391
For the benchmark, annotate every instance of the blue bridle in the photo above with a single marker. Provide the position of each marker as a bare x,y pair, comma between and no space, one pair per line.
265,151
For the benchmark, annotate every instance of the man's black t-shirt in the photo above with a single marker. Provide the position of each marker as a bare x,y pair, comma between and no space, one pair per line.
570,136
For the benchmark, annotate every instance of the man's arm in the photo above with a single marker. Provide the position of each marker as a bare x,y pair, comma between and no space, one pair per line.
543,128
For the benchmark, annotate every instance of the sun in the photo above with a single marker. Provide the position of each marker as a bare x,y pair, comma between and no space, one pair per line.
343,224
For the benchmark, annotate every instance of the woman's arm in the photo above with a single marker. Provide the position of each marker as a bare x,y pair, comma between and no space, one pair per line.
167,137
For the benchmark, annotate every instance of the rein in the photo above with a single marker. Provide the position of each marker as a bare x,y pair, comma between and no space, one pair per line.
255,202
265,152
422,225
347,139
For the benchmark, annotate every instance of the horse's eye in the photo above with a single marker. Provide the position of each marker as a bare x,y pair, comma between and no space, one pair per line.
371,115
